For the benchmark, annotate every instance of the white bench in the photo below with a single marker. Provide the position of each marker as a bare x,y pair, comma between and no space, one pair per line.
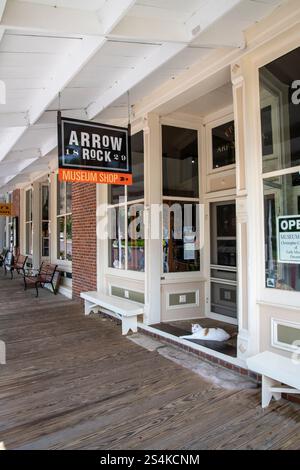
275,371
125,310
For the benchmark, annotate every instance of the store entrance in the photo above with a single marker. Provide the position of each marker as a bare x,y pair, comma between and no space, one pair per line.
223,261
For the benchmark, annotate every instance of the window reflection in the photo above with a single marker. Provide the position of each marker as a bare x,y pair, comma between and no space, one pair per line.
223,145
280,112
180,240
180,162
281,198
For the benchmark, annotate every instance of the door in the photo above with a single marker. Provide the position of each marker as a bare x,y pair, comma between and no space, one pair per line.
223,262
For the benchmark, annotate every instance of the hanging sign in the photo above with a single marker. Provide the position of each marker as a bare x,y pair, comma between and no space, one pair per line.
5,210
288,239
89,152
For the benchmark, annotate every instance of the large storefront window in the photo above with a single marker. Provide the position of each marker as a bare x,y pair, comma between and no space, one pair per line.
126,245
282,231
45,221
180,198
64,221
280,116
28,222
280,113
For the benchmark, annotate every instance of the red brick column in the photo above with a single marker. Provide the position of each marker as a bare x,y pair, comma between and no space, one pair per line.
16,203
84,249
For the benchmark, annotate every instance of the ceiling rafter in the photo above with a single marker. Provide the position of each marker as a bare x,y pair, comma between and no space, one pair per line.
39,16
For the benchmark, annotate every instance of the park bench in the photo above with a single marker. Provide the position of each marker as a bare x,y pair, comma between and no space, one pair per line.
125,310
19,264
45,275
275,371
14,263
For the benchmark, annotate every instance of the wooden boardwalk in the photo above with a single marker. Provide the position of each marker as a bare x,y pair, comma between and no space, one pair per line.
75,383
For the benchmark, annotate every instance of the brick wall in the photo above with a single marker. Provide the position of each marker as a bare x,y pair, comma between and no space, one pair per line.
16,203
84,264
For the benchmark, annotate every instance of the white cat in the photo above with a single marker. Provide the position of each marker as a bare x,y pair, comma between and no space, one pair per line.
207,334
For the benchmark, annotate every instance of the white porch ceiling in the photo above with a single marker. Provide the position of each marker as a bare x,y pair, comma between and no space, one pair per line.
90,53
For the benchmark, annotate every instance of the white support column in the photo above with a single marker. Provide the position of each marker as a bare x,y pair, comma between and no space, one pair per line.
153,242
36,223
245,91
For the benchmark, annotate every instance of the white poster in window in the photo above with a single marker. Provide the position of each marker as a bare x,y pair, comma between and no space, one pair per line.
189,243
288,239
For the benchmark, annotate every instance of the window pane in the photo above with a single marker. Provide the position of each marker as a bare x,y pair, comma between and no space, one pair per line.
45,203
282,237
136,242
223,144
280,112
224,299
180,162
136,190
28,205
117,222
69,237
61,198
29,238
68,198
180,237
45,239
61,247
116,194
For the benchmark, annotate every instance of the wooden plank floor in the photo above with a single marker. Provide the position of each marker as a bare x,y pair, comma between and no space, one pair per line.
75,383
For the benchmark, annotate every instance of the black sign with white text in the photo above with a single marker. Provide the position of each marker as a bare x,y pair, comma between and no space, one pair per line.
92,147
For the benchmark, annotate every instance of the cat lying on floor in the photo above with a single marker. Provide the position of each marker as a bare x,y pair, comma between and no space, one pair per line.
207,334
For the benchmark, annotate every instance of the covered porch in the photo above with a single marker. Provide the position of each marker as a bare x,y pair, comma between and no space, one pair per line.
73,382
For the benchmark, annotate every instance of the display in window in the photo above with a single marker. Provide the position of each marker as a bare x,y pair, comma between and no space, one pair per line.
282,244
288,239
181,251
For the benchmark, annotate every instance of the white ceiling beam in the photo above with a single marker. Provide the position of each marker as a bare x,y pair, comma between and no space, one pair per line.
67,21
64,72
154,30
146,67
8,142
208,14
18,155
35,17
50,117
112,13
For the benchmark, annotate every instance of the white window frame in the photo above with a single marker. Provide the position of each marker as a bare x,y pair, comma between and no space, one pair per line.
261,58
226,118
120,272
45,221
28,222
183,123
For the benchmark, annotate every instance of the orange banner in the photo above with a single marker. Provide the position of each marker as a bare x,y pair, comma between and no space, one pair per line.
98,177
5,209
